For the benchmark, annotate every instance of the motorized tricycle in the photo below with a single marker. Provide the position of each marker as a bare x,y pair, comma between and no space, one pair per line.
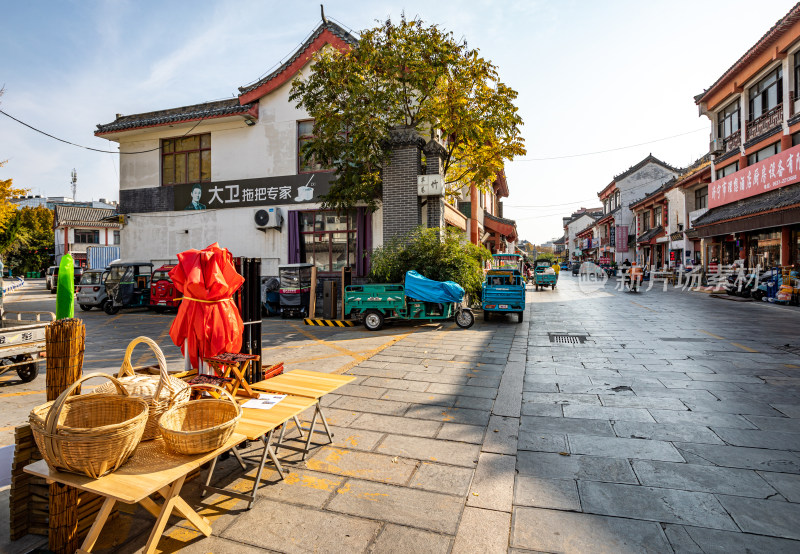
544,275
163,294
91,290
503,292
128,286
419,299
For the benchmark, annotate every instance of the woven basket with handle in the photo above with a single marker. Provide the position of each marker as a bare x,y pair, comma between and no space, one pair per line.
160,391
200,425
92,434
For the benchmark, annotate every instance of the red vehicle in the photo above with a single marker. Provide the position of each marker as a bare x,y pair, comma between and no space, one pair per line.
163,294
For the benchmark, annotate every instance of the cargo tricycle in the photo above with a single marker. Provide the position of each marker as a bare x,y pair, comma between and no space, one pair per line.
544,275
420,299
503,291
128,286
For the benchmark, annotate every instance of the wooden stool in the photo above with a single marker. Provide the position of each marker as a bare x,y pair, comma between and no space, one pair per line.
233,366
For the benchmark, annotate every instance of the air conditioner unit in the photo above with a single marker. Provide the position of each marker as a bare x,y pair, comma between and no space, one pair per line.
717,146
269,218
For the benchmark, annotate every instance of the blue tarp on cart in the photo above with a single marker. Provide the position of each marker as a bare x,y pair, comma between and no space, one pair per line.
428,290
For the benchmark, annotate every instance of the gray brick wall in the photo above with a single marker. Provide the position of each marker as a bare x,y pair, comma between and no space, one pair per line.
401,207
152,199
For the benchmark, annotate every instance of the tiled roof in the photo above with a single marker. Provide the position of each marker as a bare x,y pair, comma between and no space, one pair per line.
647,236
72,216
763,43
769,201
649,159
206,110
326,25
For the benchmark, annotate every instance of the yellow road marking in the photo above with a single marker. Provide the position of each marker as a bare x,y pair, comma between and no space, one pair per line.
330,344
711,334
23,393
792,366
641,306
743,347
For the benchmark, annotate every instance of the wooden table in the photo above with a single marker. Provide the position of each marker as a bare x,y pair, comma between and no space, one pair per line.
258,425
311,384
152,469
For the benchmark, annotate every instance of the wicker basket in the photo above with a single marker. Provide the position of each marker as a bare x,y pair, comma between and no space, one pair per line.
92,434
200,425
161,392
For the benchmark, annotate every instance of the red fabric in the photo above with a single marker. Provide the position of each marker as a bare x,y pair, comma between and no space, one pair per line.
210,327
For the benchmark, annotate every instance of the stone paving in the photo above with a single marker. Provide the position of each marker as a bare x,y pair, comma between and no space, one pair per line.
673,428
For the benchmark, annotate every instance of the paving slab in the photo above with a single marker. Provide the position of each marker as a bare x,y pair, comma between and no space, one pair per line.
749,514
656,402
509,392
789,410
787,484
556,494
666,432
745,458
558,531
713,541
399,425
502,435
536,424
711,479
484,531
442,478
462,390
430,450
385,407
543,410
493,483
474,403
401,384
708,419
591,468
400,505
623,448
364,465
428,398
299,486
542,442
609,413
655,504
560,398
300,529
397,538
775,440
462,433
448,415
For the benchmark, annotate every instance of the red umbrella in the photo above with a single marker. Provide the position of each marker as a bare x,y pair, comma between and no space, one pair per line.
207,322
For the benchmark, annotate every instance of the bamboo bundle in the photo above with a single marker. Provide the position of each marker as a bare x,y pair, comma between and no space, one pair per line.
66,340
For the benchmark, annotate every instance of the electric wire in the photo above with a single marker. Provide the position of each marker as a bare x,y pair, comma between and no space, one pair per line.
89,147
610,149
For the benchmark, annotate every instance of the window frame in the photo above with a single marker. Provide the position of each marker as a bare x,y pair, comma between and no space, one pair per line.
116,237
756,156
762,94
298,157
174,153
82,233
726,114
352,214
701,197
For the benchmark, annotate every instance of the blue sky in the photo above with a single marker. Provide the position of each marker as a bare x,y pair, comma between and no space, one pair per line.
590,75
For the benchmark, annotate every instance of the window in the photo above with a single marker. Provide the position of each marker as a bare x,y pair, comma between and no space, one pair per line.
329,239
87,236
701,198
728,120
796,73
766,94
727,170
616,200
605,206
764,153
116,237
305,132
657,220
646,221
186,160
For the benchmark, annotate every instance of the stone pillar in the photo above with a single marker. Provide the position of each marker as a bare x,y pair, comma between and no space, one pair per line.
400,203
434,165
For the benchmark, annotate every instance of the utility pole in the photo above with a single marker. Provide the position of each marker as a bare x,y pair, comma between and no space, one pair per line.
74,182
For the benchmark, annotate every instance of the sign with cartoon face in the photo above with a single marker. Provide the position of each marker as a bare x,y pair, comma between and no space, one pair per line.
266,191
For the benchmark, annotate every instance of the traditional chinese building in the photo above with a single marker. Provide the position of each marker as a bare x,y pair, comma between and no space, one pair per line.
76,228
231,171
753,200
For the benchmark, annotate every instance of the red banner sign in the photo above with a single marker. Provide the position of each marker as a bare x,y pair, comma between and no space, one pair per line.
622,238
777,171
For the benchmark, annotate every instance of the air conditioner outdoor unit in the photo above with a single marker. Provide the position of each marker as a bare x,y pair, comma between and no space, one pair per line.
269,218
717,146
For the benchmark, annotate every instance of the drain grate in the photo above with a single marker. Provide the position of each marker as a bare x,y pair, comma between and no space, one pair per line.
565,338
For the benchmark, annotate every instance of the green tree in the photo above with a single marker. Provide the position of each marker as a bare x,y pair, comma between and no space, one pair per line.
32,246
407,75
448,258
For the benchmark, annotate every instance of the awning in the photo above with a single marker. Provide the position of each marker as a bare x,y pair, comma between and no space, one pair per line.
678,235
454,217
502,226
648,237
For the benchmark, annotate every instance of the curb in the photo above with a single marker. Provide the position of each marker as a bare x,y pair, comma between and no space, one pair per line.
330,322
